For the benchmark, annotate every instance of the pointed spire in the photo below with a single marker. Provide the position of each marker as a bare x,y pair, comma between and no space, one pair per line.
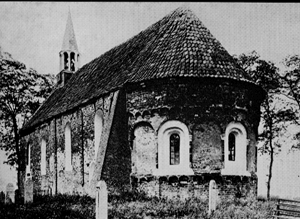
69,42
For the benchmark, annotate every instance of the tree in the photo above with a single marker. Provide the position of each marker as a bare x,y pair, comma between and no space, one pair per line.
291,78
22,90
266,74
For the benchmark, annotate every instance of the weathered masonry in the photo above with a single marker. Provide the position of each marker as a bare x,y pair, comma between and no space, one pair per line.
165,112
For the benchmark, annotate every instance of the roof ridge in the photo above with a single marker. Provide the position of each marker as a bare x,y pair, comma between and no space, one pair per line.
178,45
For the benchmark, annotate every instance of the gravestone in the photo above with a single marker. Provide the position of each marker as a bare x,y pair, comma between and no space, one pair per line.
28,196
2,197
10,193
101,201
213,196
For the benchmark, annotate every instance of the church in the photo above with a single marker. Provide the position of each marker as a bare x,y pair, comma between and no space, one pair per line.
164,113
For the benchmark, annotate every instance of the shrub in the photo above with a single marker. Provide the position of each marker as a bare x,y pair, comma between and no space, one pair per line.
137,205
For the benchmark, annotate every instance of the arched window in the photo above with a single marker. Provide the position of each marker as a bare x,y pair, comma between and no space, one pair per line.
28,165
235,150
231,146
66,61
173,149
68,149
72,61
43,157
98,126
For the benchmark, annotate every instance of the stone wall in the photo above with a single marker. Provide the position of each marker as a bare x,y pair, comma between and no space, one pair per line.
197,186
206,107
81,121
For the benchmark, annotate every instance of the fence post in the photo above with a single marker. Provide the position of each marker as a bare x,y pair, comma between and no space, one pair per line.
213,195
28,196
101,201
10,193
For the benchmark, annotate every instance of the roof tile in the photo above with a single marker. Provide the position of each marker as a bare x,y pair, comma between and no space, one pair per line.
177,45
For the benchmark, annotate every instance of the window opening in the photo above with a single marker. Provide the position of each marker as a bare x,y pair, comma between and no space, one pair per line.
174,149
43,157
72,61
66,61
231,147
68,149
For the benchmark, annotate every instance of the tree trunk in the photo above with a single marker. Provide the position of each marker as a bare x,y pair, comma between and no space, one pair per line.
270,124
270,169
19,157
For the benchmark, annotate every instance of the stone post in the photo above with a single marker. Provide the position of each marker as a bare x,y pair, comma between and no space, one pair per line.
10,193
28,196
2,197
101,201
213,196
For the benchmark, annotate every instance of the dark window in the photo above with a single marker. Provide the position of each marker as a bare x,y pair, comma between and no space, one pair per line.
231,147
174,149
72,61
66,61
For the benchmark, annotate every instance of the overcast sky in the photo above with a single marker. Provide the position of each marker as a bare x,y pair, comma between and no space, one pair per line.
33,31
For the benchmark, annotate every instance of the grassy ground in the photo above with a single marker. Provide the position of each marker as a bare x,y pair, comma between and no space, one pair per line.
131,205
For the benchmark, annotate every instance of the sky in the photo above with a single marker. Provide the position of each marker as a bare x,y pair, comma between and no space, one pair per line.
33,31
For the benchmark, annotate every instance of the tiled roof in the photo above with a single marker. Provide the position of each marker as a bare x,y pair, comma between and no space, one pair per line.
176,46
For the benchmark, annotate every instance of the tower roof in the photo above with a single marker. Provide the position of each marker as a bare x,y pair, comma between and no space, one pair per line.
178,45
69,42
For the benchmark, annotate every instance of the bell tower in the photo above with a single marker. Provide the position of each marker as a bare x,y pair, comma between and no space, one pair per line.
69,57
69,54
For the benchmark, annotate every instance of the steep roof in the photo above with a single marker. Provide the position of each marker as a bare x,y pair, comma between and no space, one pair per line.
178,45
69,41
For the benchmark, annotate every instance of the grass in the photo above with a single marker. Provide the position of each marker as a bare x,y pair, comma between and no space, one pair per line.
136,205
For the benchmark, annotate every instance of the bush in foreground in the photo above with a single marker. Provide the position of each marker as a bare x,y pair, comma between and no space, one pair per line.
136,205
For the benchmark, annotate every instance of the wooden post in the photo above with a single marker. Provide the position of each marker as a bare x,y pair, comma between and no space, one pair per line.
213,195
28,196
10,193
101,201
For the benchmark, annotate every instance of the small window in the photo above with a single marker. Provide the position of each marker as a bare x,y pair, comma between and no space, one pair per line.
235,150
43,157
98,126
28,165
66,61
174,149
231,147
68,149
72,61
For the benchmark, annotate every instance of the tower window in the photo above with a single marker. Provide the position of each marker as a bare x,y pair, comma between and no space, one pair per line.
174,149
66,61
231,147
72,61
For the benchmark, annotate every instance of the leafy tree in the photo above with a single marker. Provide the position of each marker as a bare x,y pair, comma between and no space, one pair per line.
22,90
266,74
291,78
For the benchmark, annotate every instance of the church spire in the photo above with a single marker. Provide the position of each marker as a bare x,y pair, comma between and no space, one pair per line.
69,54
69,42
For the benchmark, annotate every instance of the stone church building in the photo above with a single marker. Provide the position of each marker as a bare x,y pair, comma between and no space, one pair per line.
164,112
